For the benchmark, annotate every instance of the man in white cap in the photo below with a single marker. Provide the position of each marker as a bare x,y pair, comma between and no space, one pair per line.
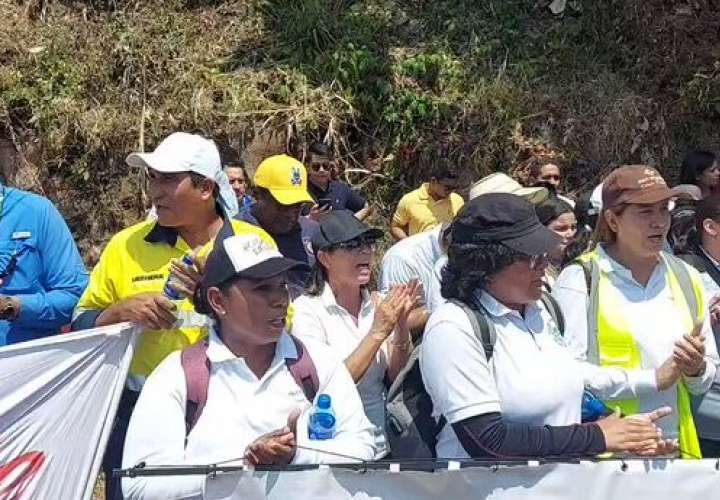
193,203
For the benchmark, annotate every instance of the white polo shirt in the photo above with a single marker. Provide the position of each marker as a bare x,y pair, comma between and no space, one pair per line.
411,258
531,379
321,319
655,321
433,291
239,409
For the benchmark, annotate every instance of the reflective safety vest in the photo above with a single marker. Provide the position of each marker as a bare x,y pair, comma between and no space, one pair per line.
611,343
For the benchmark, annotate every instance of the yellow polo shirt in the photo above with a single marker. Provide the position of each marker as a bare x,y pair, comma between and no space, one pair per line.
418,211
137,260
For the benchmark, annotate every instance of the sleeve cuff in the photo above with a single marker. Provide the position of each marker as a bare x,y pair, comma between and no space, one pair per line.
85,320
643,381
701,384
30,309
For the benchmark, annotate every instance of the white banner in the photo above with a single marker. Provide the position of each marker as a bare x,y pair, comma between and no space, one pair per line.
652,479
58,398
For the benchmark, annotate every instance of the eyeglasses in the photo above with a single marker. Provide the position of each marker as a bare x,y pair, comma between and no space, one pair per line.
538,261
357,245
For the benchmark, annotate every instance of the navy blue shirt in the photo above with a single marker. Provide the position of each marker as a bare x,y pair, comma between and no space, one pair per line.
342,196
293,245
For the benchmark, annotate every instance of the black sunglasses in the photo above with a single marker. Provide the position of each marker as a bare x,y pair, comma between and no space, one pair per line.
356,244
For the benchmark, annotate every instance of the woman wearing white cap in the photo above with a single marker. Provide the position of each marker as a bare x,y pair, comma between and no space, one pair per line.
628,304
372,335
245,400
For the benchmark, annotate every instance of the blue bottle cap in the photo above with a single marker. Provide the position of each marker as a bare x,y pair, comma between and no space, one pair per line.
324,401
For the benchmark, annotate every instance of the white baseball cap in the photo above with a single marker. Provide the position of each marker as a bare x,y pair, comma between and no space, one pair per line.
183,152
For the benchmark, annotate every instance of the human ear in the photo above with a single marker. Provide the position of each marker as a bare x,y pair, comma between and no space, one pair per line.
216,300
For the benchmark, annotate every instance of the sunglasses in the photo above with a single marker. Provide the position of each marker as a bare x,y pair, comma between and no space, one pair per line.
356,245
537,261
316,167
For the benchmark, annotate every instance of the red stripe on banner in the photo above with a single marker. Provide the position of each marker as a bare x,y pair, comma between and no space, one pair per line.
16,475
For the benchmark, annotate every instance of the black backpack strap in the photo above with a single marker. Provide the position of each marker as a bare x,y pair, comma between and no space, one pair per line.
484,329
552,307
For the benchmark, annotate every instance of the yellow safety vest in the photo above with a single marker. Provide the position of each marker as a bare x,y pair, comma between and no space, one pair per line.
611,343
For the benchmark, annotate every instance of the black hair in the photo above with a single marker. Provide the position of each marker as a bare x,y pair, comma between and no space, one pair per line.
443,171
471,266
694,164
196,181
239,163
708,208
551,209
319,275
200,300
320,149
587,217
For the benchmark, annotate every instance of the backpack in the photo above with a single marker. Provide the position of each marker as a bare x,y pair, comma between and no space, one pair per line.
411,429
196,367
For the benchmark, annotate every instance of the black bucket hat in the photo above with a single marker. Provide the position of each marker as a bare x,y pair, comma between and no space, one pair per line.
503,218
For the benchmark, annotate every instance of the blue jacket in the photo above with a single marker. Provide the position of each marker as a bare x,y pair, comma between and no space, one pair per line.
39,264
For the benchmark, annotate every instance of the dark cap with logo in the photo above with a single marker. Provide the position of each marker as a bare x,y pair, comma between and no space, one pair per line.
341,226
503,218
639,184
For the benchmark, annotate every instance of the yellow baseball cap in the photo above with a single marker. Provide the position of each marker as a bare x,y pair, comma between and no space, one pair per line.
285,177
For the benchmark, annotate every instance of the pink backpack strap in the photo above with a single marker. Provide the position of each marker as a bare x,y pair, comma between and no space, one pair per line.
303,370
196,366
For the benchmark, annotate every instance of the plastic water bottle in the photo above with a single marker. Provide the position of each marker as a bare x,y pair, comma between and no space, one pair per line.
168,290
321,424
592,407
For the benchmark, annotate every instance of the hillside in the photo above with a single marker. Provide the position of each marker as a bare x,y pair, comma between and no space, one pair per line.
396,85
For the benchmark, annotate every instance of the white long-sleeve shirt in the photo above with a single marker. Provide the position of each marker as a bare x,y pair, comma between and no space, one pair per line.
654,319
240,408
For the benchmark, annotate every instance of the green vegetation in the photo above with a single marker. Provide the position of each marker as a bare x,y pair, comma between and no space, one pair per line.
395,84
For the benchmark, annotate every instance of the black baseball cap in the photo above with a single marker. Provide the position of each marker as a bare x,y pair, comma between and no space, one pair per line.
246,256
341,226
503,218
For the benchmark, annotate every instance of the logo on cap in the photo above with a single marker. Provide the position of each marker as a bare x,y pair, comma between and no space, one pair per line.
255,245
295,176
652,178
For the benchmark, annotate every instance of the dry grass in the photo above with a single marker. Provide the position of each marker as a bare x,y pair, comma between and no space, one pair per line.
396,86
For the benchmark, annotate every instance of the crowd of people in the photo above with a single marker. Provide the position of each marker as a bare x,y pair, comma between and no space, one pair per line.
520,307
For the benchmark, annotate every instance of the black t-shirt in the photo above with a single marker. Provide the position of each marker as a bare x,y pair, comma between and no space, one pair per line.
342,196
